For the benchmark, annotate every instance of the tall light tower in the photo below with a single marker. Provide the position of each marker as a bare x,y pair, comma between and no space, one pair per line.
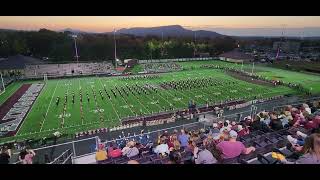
115,48
162,49
195,41
75,46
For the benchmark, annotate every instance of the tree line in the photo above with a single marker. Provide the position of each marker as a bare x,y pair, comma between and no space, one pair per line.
59,46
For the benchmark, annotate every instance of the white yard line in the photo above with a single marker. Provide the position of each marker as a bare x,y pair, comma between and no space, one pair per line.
141,103
111,103
49,106
96,101
151,99
126,103
64,112
81,105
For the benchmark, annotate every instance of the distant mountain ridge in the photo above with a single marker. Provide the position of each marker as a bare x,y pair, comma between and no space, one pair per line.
172,30
75,31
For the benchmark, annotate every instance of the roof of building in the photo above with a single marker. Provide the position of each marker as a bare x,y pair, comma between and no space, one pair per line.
18,62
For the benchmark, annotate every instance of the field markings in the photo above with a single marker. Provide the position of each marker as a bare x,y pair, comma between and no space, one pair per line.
151,100
10,92
65,106
49,106
34,103
125,101
111,103
167,91
141,103
81,105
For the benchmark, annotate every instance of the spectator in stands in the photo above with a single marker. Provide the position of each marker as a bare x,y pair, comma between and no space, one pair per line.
275,123
311,122
214,126
312,153
130,150
203,156
183,138
171,141
299,141
306,108
175,158
162,149
256,124
195,137
315,106
26,156
5,155
110,147
176,146
233,148
216,136
242,130
224,131
114,152
202,134
101,153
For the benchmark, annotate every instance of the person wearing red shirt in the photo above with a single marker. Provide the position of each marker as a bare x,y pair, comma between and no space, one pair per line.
115,152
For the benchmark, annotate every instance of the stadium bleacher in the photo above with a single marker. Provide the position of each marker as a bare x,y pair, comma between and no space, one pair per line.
265,142
70,69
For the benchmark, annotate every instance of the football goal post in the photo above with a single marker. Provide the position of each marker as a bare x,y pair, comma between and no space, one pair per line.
45,77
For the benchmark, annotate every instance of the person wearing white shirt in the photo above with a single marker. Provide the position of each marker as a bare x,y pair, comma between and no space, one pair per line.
162,148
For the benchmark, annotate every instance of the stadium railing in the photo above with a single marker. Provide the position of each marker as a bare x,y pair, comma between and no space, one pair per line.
76,148
63,158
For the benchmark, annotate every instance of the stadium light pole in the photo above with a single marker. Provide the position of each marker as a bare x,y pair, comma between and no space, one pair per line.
162,44
115,48
75,46
4,88
195,41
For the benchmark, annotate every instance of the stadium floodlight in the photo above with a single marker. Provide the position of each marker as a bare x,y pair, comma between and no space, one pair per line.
115,47
75,46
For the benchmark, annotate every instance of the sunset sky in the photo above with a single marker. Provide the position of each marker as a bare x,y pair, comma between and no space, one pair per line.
221,24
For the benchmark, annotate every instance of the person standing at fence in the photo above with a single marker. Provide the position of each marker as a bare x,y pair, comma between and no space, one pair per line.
101,154
26,156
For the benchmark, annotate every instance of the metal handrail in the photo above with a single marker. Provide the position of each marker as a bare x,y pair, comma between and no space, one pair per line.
58,157
67,158
56,145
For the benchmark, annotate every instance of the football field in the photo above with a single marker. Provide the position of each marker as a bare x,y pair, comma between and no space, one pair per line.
106,100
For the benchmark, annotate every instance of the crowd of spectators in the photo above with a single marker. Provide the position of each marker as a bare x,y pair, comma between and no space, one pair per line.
222,140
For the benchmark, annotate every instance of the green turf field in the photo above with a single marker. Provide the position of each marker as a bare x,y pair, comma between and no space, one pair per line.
46,117
307,80
9,91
